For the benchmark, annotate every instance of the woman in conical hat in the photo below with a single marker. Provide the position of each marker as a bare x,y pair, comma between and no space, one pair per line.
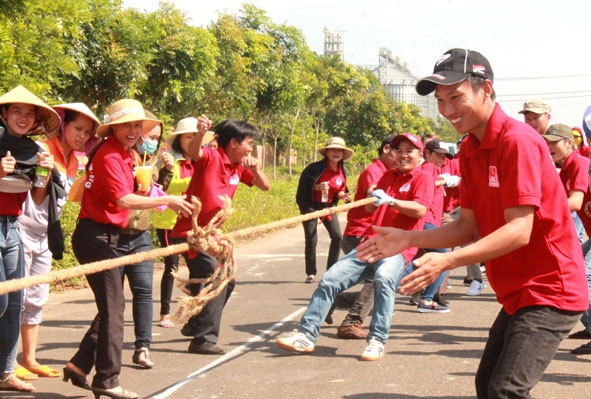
46,119
40,232
21,112
109,194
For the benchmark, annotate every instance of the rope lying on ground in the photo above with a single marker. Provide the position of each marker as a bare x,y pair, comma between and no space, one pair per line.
210,237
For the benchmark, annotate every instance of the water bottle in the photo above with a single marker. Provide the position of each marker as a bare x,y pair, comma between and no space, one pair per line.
324,195
41,176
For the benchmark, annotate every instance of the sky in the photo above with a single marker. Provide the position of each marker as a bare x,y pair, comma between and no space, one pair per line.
536,47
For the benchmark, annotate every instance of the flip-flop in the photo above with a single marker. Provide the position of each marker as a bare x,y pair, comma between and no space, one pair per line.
25,375
46,371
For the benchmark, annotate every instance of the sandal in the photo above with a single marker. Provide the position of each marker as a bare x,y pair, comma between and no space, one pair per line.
45,371
10,382
143,361
25,375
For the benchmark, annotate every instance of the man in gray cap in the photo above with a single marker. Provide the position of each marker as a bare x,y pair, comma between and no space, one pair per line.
536,113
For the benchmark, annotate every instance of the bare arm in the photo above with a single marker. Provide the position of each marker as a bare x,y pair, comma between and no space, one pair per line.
203,125
174,202
260,179
412,209
575,200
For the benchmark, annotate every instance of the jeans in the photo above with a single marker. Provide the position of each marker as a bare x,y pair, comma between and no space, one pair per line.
311,235
432,288
140,276
171,264
586,318
12,266
344,274
519,349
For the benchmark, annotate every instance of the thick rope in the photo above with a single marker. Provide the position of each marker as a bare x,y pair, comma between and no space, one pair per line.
56,276
208,239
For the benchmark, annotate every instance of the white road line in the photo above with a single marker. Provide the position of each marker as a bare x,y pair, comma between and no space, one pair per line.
239,350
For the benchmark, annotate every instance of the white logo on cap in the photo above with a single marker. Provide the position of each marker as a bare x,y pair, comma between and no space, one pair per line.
478,69
442,58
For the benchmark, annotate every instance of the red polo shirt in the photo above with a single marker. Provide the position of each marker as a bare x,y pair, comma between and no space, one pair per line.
435,211
213,175
574,174
415,185
109,177
452,194
336,182
512,167
358,219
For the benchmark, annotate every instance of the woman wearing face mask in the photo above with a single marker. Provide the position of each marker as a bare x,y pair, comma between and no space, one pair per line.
136,238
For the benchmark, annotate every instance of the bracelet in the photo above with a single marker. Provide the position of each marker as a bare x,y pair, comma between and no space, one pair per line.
391,203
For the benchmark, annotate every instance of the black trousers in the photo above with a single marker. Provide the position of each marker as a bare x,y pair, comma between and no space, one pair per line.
206,324
102,345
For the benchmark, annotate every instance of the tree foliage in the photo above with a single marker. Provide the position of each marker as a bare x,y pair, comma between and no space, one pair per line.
241,66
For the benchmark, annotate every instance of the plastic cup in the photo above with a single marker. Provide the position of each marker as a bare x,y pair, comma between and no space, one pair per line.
143,177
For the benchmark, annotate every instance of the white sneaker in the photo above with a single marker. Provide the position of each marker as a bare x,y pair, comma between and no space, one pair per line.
476,288
373,351
297,342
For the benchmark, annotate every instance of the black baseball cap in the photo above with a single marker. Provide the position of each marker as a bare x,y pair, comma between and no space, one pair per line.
455,66
435,146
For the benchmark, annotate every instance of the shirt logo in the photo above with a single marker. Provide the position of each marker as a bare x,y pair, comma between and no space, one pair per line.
493,176
234,180
339,181
405,188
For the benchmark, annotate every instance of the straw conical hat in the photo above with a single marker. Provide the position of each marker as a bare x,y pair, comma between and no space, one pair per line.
80,108
44,113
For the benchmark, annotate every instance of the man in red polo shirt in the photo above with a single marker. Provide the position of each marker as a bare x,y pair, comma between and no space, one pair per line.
404,195
519,222
359,220
216,172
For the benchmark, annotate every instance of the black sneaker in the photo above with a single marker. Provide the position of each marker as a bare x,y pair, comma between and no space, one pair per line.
582,334
206,348
440,299
584,349
188,330
467,281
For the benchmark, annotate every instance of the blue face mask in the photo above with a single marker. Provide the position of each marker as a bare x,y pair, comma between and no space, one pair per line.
148,147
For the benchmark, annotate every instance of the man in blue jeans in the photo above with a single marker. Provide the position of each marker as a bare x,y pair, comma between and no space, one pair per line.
513,211
407,192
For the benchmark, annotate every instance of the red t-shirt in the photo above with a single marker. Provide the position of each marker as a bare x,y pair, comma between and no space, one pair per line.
358,219
512,167
109,177
435,211
336,182
415,185
213,175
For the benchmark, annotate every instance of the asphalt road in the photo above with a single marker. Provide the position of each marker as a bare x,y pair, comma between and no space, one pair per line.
428,355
